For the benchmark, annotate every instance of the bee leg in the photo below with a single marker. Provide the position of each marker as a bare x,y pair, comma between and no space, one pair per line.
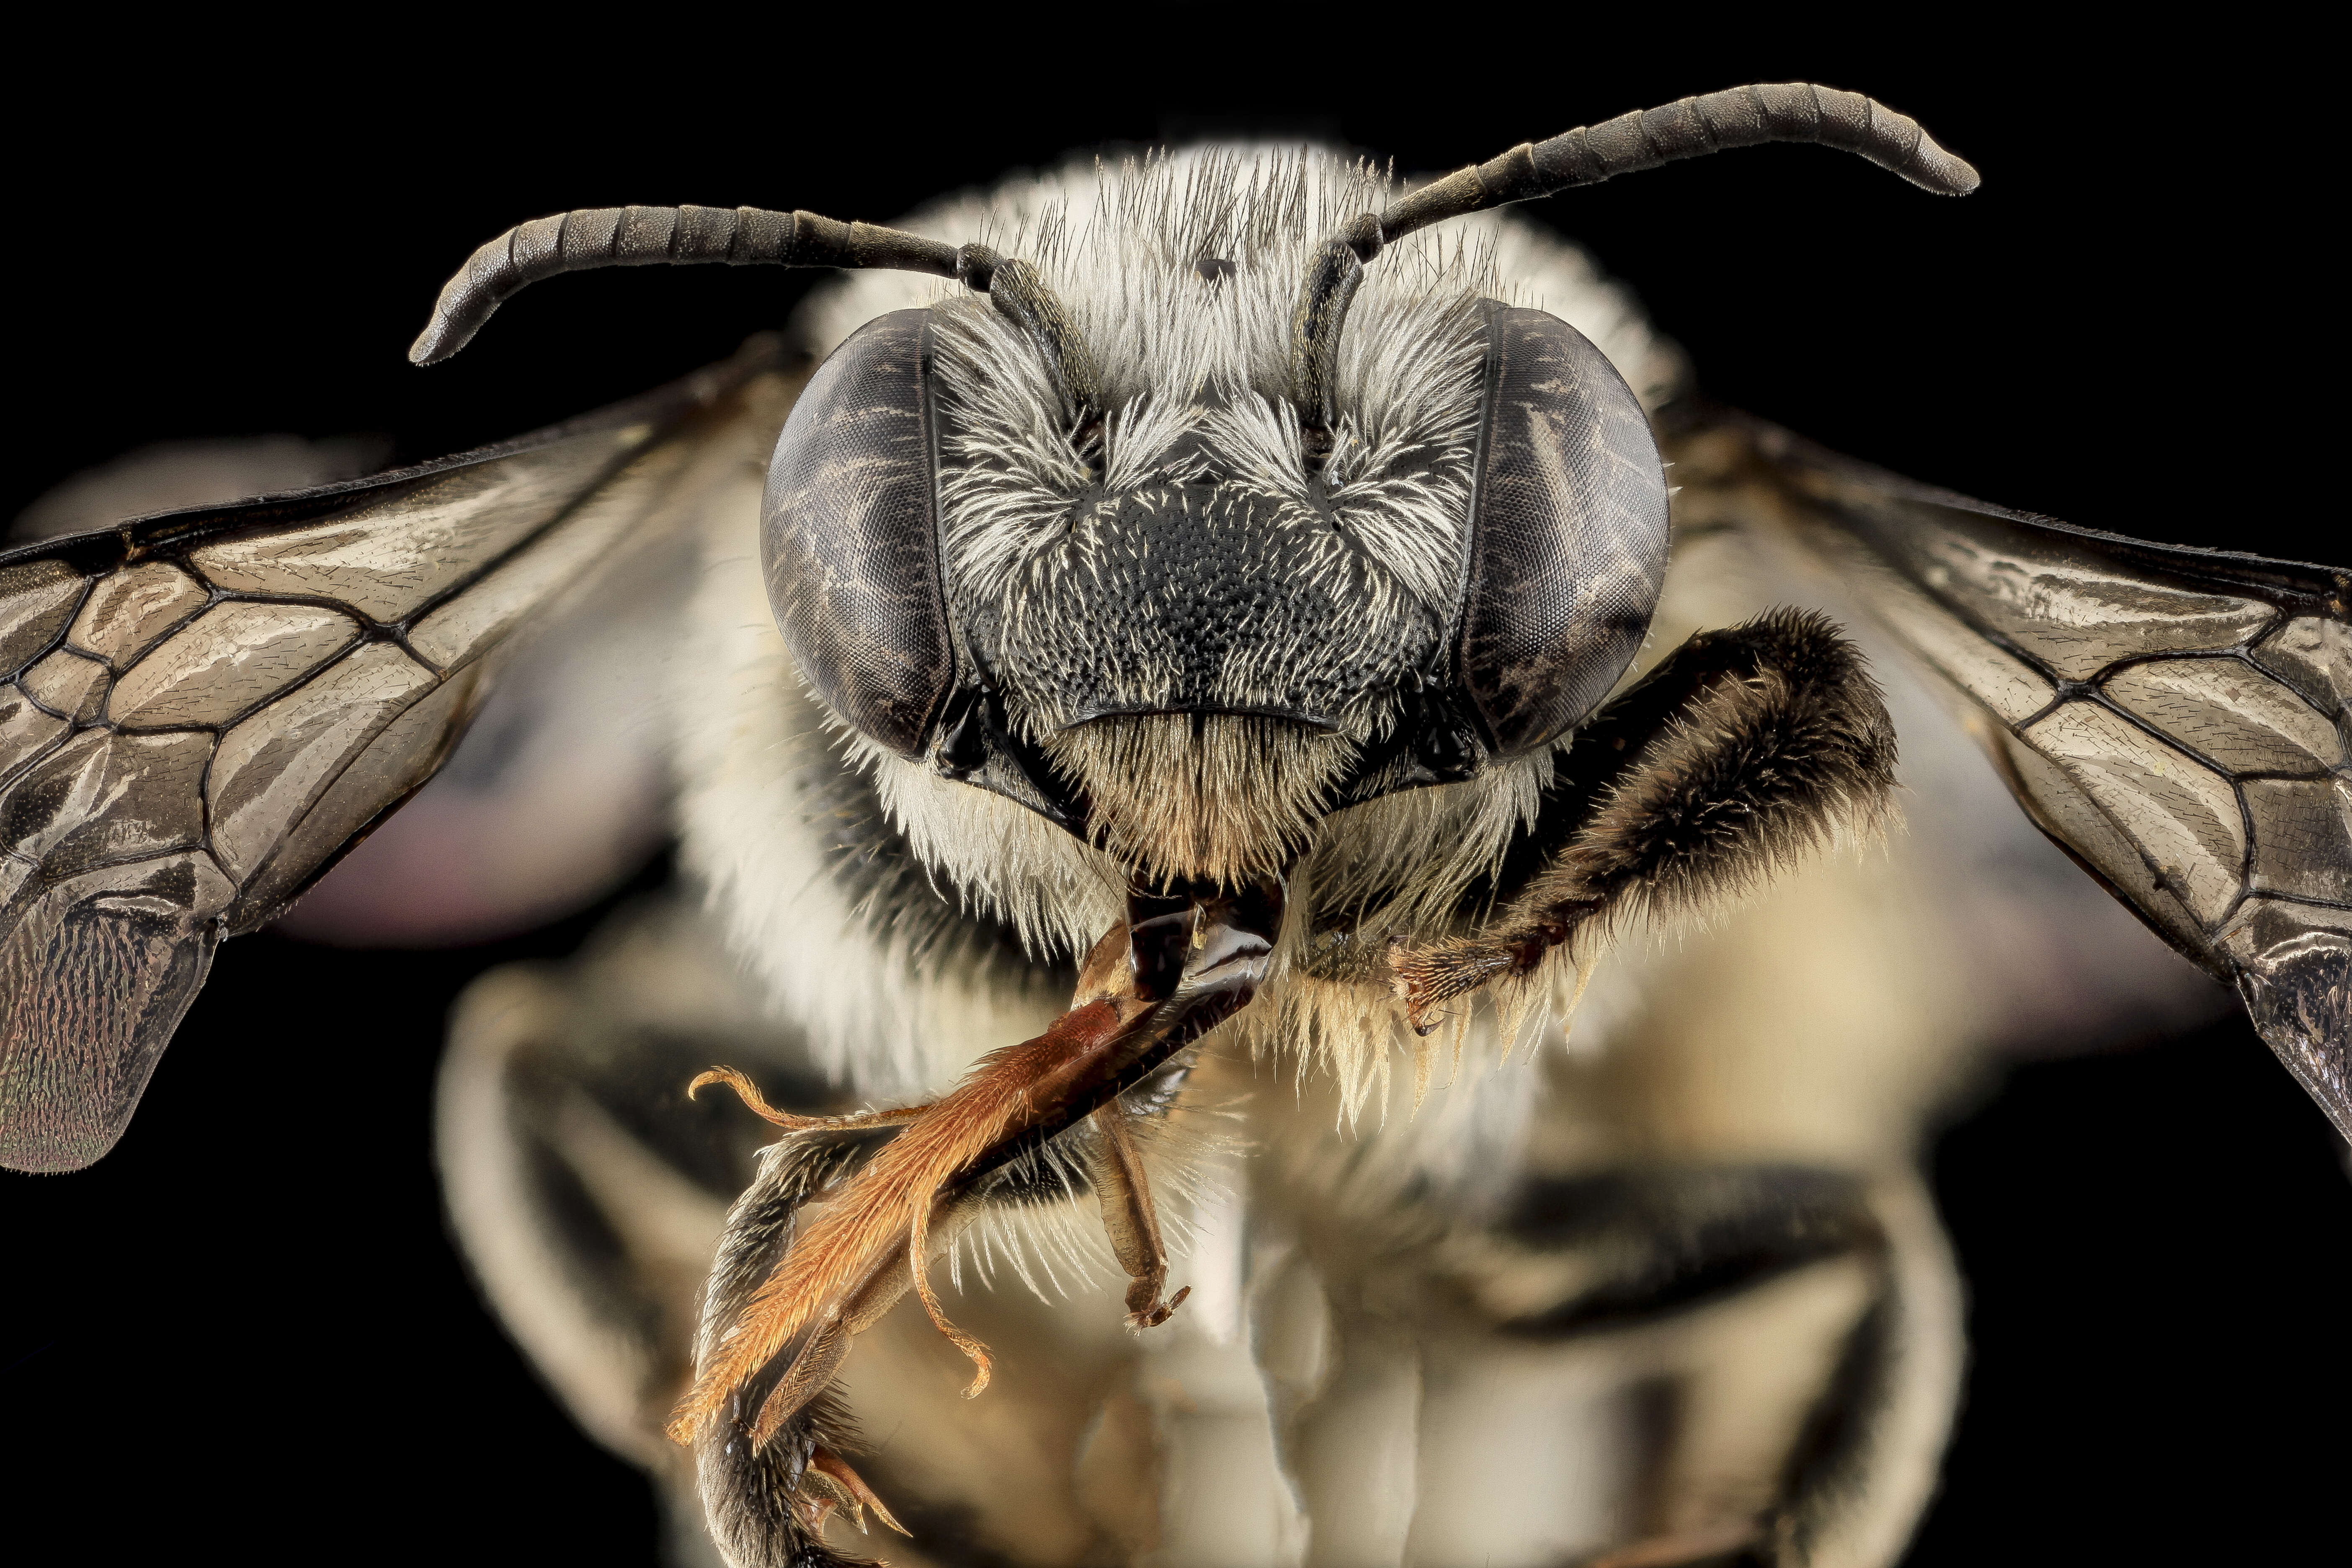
1740,753
845,1215
809,1365
831,1472
828,1483
749,1093
1131,1217
767,1507
770,1465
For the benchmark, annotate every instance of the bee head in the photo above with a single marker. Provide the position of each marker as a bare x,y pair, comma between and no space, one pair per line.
1215,531
1186,619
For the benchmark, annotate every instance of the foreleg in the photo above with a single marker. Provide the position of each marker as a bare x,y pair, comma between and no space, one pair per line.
1742,751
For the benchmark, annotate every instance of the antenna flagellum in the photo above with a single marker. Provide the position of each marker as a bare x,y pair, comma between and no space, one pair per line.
1687,128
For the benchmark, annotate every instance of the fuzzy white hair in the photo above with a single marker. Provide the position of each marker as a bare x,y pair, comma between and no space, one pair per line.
1180,357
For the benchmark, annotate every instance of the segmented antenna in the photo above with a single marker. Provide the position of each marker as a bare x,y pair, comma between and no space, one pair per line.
1688,128
743,237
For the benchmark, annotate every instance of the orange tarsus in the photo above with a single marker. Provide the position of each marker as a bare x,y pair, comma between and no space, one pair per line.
916,1246
749,1092
891,1198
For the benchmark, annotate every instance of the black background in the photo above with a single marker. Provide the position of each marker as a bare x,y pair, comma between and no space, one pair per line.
245,1328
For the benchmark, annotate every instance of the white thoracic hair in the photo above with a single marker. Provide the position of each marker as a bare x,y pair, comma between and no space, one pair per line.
1117,245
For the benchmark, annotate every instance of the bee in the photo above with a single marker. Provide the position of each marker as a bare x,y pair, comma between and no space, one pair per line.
1219,633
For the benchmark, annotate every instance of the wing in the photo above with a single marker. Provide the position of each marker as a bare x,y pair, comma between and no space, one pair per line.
202,709
2176,720
559,790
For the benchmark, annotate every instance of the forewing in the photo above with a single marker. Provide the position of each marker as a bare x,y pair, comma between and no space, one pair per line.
2176,719
202,709
560,788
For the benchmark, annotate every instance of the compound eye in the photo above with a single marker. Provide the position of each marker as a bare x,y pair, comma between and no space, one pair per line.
1568,539
849,535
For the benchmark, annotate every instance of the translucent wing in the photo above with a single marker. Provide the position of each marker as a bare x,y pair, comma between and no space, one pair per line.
2176,720
202,709
559,791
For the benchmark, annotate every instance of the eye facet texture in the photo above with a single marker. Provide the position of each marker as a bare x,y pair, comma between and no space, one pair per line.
1568,545
849,535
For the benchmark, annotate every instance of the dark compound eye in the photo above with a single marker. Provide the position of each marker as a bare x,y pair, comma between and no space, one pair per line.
1568,537
849,535
1567,552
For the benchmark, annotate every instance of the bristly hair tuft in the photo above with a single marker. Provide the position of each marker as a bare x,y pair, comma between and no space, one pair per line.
1220,796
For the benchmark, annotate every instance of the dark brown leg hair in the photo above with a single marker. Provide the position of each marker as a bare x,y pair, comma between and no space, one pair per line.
1741,752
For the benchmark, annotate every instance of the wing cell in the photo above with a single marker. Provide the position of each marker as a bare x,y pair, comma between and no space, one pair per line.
36,599
272,764
200,711
66,684
2065,609
2314,655
2177,719
27,730
127,610
234,656
406,752
2302,838
419,542
2242,720
106,797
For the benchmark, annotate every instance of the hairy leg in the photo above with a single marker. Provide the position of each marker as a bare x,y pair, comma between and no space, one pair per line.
835,1230
1743,750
